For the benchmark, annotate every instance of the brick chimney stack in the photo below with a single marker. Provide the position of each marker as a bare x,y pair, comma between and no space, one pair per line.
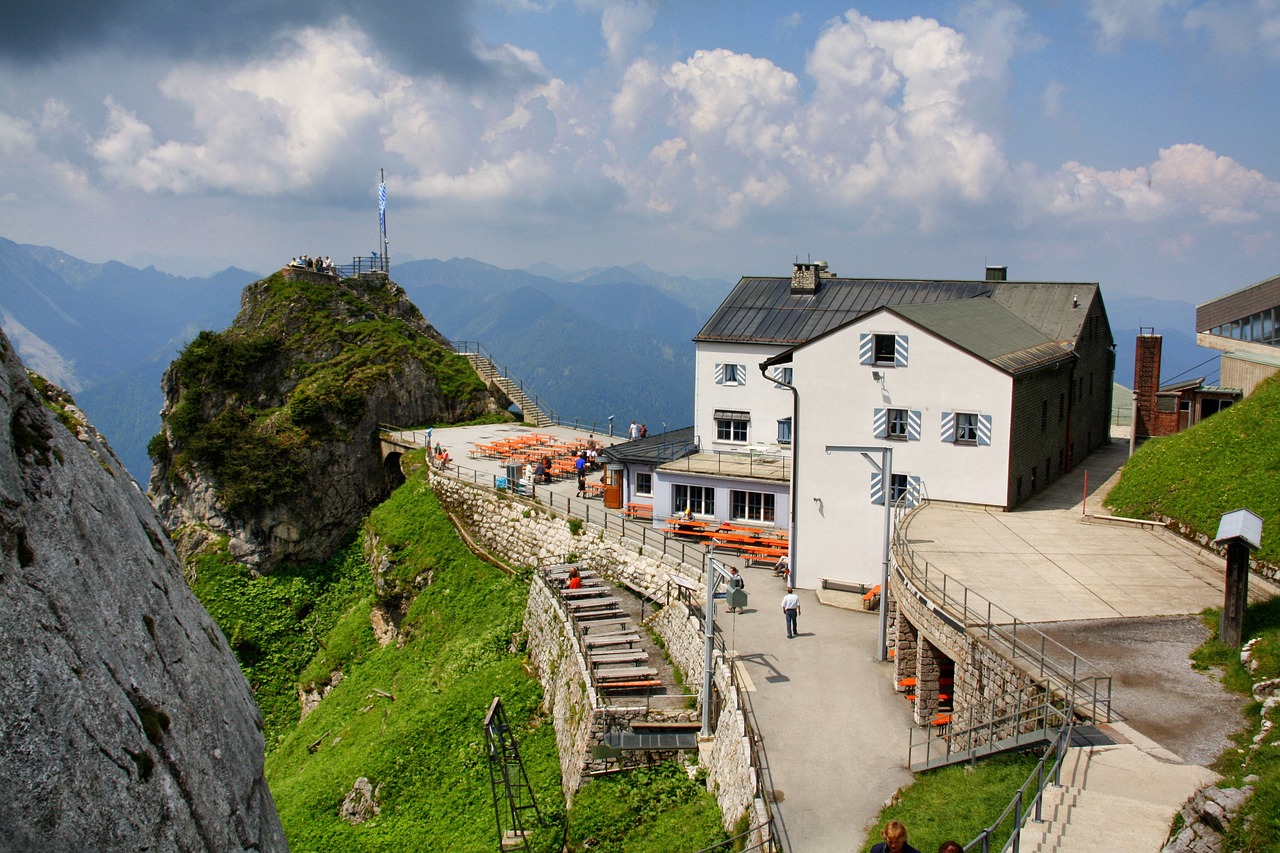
1146,381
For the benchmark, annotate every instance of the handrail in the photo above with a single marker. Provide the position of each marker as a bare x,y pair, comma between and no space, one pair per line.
988,729
1084,683
477,348
370,263
1018,807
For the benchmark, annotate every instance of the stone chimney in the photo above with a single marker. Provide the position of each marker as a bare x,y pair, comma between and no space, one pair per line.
997,273
805,277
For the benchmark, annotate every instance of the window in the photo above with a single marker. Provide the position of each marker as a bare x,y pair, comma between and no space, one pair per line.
731,374
731,425
701,500
727,430
904,489
966,428
896,424
751,506
784,431
644,483
782,375
898,485
882,349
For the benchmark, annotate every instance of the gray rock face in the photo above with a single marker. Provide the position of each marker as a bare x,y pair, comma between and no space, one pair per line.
125,722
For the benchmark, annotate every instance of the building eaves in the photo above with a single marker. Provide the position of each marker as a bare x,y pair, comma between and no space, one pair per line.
654,449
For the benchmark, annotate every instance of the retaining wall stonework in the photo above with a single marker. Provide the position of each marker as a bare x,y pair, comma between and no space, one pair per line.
523,532
985,681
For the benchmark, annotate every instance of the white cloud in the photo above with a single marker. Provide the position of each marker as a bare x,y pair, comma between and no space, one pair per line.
1186,180
1131,19
1239,28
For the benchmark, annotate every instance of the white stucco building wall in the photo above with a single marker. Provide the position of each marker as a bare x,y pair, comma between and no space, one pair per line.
764,401
839,525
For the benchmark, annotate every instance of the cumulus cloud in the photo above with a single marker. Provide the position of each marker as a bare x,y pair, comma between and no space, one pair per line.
1186,180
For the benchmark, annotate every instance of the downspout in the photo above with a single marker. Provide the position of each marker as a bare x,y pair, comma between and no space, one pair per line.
795,467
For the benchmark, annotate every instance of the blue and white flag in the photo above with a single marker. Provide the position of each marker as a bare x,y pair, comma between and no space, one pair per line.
382,207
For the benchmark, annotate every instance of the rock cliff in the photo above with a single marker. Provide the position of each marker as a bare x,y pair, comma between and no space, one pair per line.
271,427
125,722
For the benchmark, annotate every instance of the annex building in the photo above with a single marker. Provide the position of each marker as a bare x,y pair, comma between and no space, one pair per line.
986,391
1245,326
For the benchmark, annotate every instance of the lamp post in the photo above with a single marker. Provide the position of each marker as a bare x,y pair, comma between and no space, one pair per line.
1241,532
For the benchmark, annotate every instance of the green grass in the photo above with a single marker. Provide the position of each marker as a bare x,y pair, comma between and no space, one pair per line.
1257,827
1226,462
956,802
650,810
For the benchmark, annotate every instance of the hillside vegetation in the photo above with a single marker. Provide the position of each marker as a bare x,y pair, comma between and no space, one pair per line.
408,716
1227,462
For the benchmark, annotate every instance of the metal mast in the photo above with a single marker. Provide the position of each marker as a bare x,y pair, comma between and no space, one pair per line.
512,793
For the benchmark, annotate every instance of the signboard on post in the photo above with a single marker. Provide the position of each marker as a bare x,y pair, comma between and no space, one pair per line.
1241,532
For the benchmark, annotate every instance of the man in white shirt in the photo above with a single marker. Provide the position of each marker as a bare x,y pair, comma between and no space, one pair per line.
791,609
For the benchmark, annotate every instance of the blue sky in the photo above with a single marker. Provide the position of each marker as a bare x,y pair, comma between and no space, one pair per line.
1131,143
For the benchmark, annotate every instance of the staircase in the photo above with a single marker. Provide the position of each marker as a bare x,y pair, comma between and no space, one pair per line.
497,379
1120,797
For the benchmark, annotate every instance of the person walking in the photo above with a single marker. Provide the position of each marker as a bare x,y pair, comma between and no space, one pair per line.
791,609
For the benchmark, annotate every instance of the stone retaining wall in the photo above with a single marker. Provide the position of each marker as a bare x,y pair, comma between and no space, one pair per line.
984,679
523,532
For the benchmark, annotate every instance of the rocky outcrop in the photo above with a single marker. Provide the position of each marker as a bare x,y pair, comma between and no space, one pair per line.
271,427
125,722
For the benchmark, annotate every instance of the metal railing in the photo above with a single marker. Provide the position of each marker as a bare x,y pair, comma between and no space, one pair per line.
369,263
1028,800
765,464
1084,684
999,725
477,348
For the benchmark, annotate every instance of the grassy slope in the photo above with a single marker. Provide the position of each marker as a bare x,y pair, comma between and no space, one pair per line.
1224,463
425,746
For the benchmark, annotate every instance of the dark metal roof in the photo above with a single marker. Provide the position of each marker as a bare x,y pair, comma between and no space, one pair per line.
763,309
654,449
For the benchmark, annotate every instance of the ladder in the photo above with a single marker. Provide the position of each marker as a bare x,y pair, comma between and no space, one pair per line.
512,793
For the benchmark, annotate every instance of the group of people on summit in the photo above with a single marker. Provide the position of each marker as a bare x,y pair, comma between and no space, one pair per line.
306,262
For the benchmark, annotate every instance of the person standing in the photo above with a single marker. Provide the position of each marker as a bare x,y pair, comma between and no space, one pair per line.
895,839
791,609
634,431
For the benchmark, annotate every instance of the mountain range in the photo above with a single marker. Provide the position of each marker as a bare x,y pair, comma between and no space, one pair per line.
590,344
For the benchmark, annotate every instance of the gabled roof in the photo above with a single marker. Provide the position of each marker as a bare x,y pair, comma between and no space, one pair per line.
764,310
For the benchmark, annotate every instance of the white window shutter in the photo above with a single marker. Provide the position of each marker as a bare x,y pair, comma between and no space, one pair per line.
984,430
877,488
719,374
949,426
900,351
913,425
914,491
742,374
879,423
866,348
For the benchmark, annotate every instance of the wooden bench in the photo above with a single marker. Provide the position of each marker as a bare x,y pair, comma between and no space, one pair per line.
871,598
604,658
641,511
611,640
625,672
1146,523
578,605
595,490
629,685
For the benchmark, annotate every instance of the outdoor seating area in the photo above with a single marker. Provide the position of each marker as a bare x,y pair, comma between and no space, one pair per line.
753,543
609,637
558,455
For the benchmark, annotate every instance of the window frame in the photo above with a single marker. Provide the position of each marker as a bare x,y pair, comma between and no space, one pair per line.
897,424
727,430
741,506
884,348
966,428
683,495
646,476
